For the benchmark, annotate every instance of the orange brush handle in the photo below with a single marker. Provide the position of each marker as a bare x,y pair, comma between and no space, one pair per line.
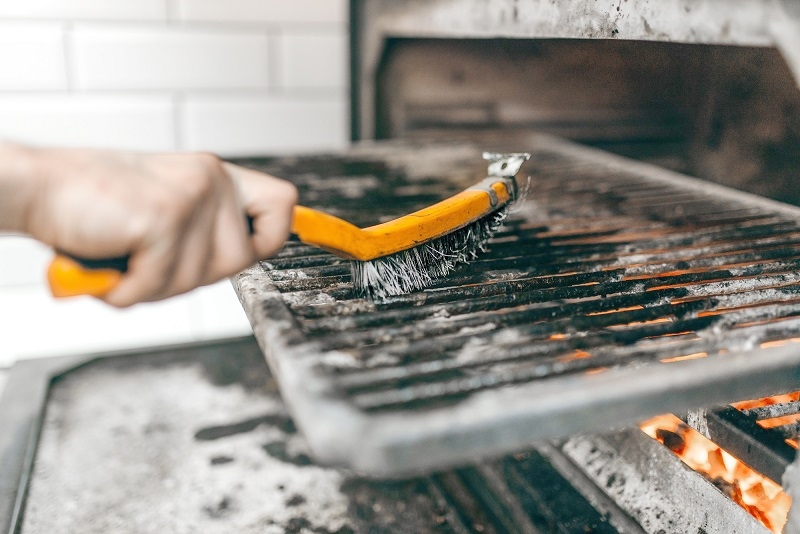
351,242
67,277
72,277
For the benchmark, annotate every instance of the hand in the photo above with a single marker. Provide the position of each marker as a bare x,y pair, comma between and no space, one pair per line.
181,218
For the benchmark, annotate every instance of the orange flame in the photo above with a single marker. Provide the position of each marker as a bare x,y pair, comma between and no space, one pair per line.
763,498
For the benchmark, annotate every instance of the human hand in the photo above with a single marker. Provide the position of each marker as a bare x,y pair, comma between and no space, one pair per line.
180,218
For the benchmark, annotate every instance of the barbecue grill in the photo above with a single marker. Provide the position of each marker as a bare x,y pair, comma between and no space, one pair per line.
616,291
618,288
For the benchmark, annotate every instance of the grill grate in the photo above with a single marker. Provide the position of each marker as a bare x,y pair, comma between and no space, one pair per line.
757,436
615,291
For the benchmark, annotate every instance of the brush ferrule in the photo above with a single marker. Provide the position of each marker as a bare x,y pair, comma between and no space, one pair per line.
486,185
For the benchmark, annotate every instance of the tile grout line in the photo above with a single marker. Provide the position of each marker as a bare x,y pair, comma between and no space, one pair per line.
171,11
178,102
274,50
69,59
199,24
296,92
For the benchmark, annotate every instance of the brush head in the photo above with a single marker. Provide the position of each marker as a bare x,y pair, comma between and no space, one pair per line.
419,267
422,266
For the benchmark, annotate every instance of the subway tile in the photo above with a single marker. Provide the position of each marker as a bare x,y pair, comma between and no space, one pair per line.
85,9
168,57
132,122
334,11
37,325
32,57
313,59
23,261
233,126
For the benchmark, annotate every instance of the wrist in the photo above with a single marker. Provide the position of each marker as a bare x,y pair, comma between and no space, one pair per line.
18,186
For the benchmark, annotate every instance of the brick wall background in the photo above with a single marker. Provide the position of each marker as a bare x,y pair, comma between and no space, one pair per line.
236,77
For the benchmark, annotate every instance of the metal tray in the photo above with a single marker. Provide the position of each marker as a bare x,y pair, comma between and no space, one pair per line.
615,291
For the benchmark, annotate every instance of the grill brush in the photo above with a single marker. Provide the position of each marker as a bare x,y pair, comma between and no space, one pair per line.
392,258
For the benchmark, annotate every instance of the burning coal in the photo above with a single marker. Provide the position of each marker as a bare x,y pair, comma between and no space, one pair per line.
763,498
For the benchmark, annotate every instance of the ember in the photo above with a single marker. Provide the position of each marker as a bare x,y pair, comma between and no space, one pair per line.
773,422
760,496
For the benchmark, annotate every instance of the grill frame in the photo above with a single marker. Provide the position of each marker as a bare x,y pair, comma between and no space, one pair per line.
488,423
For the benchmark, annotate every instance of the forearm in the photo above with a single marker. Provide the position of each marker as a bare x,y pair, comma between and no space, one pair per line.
18,186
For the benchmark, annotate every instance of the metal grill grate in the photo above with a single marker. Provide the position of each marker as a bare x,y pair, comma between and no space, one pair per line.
756,436
616,291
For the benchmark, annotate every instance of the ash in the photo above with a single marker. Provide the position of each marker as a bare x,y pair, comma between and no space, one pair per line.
180,446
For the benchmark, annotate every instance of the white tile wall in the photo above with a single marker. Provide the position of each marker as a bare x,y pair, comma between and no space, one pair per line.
84,9
43,327
265,125
217,313
168,58
313,59
276,11
23,261
134,122
32,57
237,77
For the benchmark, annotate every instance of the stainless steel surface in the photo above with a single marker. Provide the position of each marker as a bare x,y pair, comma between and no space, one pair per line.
617,291
21,410
760,23
731,22
728,114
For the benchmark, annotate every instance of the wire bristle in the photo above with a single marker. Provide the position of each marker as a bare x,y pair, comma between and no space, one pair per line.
419,267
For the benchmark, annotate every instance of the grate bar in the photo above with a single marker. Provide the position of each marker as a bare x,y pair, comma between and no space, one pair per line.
774,410
761,449
582,312
564,260
788,431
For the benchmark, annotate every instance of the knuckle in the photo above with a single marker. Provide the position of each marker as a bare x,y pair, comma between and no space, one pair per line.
288,193
207,164
208,159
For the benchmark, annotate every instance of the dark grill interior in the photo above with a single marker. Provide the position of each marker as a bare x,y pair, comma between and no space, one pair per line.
602,266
